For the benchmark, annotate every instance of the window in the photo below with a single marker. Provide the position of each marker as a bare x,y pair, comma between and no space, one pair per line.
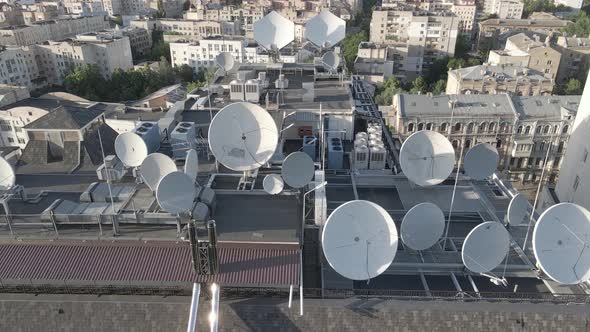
429,126
483,126
470,127
585,155
576,183
498,144
5,125
467,144
560,147
538,130
519,130
565,129
538,162
512,161
10,140
420,126
410,127
492,126
556,162
21,141
527,130
458,126
443,127
455,143
546,129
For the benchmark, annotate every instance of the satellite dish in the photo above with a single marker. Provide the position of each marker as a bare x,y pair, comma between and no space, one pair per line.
481,161
298,169
485,247
154,167
325,29
274,31
331,61
273,184
130,149
427,158
7,177
225,61
422,226
191,164
519,210
359,240
176,193
243,136
561,243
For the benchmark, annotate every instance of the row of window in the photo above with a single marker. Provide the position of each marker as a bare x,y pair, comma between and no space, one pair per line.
483,127
538,162
542,129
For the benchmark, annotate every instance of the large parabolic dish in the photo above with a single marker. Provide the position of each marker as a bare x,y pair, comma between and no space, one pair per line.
176,193
130,149
519,210
298,169
274,31
225,61
481,161
7,177
154,167
325,29
427,158
422,226
243,136
485,247
561,243
359,240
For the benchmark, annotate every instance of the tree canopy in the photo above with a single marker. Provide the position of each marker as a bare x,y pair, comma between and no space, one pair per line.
573,87
580,27
350,46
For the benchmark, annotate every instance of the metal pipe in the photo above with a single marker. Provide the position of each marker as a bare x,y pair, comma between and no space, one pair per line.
193,313
214,315
290,295
115,228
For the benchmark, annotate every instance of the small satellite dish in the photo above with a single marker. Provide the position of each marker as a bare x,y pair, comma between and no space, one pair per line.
359,240
273,184
519,210
561,243
325,29
130,149
243,136
298,169
274,31
225,61
154,167
176,193
7,177
191,164
485,247
331,61
481,161
422,226
427,158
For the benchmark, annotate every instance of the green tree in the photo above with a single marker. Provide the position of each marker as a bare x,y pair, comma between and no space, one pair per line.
419,85
437,70
455,63
573,87
580,27
350,46
118,20
473,62
194,85
462,47
160,49
439,87
185,73
86,81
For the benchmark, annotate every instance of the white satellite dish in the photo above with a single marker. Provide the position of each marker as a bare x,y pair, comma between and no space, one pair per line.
485,247
130,149
427,158
561,243
481,161
325,29
359,240
519,210
7,177
422,226
243,136
273,184
274,31
191,164
176,193
298,169
331,61
154,167
225,61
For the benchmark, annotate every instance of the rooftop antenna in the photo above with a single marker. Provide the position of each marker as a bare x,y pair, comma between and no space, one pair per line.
176,194
325,30
298,169
561,243
191,164
519,210
427,158
359,240
484,248
154,167
481,161
131,150
273,184
225,61
422,226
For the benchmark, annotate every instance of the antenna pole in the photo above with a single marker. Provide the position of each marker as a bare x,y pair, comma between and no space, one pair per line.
322,138
453,196
538,191
115,228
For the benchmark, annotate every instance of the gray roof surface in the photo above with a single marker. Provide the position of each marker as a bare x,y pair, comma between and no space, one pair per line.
478,73
465,105
66,117
545,106
46,104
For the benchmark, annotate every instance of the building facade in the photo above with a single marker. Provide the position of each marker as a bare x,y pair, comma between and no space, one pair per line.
18,67
575,57
504,9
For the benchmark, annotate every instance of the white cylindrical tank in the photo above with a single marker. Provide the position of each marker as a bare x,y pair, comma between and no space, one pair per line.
361,157
375,136
375,142
361,134
360,141
377,157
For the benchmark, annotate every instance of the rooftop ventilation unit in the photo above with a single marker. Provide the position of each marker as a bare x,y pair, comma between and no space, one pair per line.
236,90
150,133
252,91
335,154
377,157
183,138
360,157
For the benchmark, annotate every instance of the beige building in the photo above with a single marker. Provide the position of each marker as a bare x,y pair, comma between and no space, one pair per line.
12,93
245,15
51,30
511,9
575,57
10,15
531,52
188,29
18,67
113,7
56,59
493,32
486,79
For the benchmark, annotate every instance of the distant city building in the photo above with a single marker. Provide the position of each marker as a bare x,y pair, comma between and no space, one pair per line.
85,8
374,63
175,29
575,57
504,9
486,79
18,66
113,7
42,12
12,93
576,4
246,14
171,8
10,15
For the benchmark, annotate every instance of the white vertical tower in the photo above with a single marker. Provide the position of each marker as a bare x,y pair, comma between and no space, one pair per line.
573,184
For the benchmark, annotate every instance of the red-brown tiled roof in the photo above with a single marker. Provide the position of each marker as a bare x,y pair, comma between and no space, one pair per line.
146,262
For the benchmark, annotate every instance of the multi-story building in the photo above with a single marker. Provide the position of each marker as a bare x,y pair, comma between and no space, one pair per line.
521,128
42,31
486,79
85,8
494,32
132,7
139,39
18,67
505,9
113,7
188,29
10,94
374,63
171,8
522,50
56,59
42,12
575,57
10,15
576,4
245,15
417,39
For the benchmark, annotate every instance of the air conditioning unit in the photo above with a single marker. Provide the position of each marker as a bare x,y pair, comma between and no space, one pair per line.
182,139
360,157
335,154
150,133
236,90
377,158
252,91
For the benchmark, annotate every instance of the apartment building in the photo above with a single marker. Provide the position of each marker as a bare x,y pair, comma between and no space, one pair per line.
494,32
575,57
245,15
18,67
113,7
132,7
85,8
528,51
505,9
56,59
521,128
42,12
487,79
42,31
188,29
140,40
10,15
172,8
